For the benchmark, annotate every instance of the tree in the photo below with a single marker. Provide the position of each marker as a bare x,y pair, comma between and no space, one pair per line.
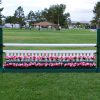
39,17
56,14
19,14
35,16
93,22
11,20
1,15
31,15
96,12
78,24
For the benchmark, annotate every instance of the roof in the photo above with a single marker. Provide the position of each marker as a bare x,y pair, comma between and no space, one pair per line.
44,24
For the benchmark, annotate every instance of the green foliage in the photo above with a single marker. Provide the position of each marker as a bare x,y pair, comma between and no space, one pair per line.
31,15
11,19
0,21
35,17
1,16
19,15
56,14
93,22
96,11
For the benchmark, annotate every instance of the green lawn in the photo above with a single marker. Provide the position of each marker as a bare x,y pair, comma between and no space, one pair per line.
48,36
49,86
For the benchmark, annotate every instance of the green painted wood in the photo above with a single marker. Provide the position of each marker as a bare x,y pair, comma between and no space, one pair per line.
1,48
98,47
1,69
51,70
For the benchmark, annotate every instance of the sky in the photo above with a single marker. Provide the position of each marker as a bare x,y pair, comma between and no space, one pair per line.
80,10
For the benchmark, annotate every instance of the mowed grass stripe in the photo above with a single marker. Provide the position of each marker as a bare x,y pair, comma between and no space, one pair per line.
63,36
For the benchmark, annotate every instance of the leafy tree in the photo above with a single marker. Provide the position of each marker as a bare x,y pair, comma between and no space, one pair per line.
1,15
39,17
11,20
96,11
56,14
31,16
19,14
35,16
93,22
78,24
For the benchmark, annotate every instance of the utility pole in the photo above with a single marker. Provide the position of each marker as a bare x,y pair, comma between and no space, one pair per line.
1,40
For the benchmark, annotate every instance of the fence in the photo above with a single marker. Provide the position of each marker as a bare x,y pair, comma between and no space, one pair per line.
55,60
52,60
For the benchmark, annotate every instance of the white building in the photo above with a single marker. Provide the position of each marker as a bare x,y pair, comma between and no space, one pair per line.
8,25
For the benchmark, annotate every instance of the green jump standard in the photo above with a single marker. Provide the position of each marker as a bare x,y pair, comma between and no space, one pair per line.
98,48
1,49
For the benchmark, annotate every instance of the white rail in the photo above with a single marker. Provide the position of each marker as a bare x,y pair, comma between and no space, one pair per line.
50,52
50,45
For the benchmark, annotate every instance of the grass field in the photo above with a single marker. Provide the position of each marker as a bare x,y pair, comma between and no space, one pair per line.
49,86
48,36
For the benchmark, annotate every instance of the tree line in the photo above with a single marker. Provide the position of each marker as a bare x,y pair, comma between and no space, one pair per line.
55,13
